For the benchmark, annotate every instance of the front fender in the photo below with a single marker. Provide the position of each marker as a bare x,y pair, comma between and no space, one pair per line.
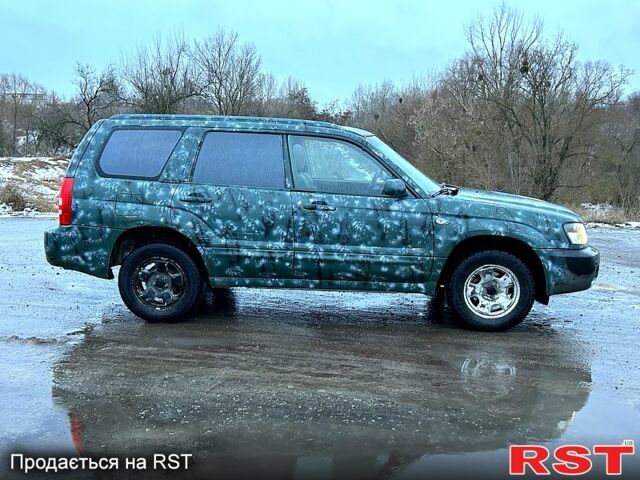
449,230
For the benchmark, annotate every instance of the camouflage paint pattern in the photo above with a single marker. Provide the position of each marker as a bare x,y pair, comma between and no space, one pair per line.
265,238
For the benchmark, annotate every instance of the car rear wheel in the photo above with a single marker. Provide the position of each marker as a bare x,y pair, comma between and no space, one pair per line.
491,291
160,282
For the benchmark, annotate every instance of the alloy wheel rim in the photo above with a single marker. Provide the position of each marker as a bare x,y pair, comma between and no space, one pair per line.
491,291
159,282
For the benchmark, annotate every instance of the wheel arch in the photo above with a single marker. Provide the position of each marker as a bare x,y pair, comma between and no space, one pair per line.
520,249
133,238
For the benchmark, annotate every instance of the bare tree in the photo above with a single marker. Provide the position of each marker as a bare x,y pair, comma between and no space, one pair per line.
97,94
266,100
333,113
528,100
541,93
291,99
371,102
160,76
62,124
387,111
618,137
229,72
58,133
19,97
296,100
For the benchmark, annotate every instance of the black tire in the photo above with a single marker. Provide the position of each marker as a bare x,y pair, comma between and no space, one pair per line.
160,283
478,310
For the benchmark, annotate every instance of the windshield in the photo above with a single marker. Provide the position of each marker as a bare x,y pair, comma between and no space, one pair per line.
416,175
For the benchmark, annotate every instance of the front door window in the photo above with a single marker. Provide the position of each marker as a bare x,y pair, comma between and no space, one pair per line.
333,166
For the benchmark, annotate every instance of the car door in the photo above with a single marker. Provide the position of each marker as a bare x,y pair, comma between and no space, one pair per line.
345,229
238,207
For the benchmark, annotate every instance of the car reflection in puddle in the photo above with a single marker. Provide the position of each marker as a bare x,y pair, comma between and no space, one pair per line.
300,384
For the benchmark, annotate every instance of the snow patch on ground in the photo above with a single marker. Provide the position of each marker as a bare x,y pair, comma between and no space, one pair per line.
38,180
6,212
629,225
598,208
605,215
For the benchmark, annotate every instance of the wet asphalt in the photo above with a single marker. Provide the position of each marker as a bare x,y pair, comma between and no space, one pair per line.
300,384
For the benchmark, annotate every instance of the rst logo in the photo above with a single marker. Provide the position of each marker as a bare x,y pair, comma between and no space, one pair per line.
568,459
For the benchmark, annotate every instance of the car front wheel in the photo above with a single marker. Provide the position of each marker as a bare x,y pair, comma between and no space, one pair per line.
160,282
491,291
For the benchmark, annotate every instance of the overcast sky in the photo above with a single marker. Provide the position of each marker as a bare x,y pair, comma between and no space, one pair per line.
331,45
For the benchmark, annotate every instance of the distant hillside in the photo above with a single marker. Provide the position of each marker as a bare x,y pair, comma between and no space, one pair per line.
30,184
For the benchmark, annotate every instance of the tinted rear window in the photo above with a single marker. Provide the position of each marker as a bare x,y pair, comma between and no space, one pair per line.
243,159
138,153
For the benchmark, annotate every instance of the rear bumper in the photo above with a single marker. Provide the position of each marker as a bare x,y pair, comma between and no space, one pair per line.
85,249
570,270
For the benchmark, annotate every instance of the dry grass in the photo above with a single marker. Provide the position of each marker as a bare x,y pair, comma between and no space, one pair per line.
12,195
16,197
25,170
42,204
605,214
31,183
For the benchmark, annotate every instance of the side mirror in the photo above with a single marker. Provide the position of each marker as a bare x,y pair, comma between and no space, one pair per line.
394,187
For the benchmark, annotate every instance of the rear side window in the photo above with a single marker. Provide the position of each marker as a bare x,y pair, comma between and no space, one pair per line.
242,159
138,153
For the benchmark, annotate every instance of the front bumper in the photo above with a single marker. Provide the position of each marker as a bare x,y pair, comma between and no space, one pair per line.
570,270
82,248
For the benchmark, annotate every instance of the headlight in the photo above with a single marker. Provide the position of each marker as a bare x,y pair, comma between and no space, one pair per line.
576,233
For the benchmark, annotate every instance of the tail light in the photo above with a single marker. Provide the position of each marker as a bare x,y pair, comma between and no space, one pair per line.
64,207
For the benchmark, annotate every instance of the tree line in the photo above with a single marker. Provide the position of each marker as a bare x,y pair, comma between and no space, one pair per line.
518,111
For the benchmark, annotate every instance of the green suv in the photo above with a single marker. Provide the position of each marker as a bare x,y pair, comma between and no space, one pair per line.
186,202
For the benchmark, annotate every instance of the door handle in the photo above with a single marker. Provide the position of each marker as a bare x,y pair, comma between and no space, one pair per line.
319,205
195,197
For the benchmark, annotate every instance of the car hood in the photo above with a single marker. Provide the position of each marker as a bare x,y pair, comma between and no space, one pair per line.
518,202
477,212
